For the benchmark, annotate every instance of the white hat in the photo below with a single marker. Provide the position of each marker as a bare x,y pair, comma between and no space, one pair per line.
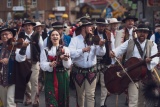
39,24
113,20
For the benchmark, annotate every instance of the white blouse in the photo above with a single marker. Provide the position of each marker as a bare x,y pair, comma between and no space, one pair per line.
44,64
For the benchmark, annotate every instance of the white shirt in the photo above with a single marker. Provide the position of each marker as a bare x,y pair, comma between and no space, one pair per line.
21,58
79,58
153,37
44,64
45,42
40,43
100,36
123,48
130,33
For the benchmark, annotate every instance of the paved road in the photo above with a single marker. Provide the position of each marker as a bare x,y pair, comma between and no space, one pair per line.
110,101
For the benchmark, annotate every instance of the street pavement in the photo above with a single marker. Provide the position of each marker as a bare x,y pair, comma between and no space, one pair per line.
111,100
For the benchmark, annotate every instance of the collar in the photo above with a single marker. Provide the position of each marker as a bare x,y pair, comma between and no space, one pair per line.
29,35
142,42
130,29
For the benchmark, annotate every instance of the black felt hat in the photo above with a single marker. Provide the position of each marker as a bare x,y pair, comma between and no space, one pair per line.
28,22
86,17
84,23
129,17
142,27
8,29
58,25
101,21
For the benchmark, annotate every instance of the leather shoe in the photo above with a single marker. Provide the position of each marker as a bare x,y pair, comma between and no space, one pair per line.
36,104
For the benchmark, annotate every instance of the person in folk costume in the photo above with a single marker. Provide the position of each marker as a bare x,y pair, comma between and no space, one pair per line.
31,53
53,61
141,48
102,61
58,26
114,24
124,34
128,33
156,38
84,57
39,27
6,68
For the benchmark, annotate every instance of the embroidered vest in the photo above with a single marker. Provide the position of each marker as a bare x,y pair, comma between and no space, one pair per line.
131,45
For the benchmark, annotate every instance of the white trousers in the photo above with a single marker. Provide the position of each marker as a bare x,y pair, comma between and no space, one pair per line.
135,95
7,96
87,91
103,89
32,86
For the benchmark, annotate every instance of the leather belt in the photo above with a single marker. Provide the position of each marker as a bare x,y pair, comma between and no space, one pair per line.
84,69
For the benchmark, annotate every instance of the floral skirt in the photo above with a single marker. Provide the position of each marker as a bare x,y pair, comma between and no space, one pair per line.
57,96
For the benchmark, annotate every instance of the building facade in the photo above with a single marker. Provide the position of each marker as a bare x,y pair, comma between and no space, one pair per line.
38,9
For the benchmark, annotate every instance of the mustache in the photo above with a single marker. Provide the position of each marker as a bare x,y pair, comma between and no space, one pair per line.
141,35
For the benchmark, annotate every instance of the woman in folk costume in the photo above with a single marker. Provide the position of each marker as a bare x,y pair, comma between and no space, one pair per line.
6,68
55,60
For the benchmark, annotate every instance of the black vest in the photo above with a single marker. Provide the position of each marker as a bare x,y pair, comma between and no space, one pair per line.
44,35
105,59
35,49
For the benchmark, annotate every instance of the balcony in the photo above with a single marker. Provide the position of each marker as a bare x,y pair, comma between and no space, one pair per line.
59,8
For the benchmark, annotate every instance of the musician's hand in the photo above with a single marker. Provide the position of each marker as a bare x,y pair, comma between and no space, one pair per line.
25,44
53,64
148,60
122,74
112,54
4,61
65,57
111,65
102,42
86,49
158,66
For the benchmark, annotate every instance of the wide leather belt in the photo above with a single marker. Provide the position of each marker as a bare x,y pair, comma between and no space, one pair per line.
84,69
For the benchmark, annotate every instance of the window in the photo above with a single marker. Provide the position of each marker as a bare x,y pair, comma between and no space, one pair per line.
57,3
9,3
34,2
21,2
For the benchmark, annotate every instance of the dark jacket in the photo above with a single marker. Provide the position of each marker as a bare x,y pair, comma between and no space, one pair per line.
21,75
105,59
35,49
